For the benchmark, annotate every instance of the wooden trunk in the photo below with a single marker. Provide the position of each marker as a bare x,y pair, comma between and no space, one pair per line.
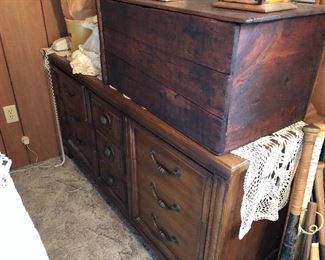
223,78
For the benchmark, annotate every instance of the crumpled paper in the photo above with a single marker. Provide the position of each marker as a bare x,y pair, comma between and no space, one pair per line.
85,62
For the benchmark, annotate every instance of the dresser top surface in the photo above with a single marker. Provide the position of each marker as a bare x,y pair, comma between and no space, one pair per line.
227,164
204,8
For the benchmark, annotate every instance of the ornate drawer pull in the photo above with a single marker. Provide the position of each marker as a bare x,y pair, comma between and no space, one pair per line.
162,170
68,93
161,203
109,152
105,120
163,234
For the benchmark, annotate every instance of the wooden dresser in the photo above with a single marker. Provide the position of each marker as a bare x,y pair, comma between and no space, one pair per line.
184,200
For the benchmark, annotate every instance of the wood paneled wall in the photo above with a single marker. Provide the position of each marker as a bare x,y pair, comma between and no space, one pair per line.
26,27
10,132
53,20
2,145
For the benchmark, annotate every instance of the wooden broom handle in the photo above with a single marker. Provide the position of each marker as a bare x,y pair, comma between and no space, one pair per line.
310,135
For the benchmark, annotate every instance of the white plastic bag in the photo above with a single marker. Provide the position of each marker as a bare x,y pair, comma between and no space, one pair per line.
92,43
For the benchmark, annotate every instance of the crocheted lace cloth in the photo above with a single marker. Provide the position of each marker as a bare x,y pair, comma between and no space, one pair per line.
273,160
5,164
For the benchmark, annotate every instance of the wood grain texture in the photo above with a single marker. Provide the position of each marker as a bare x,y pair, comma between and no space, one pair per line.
113,123
320,199
204,41
60,105
168,104
78,128
10,133
111,170
208,224
23,34
204,9
261,242
101,42
319,89
81,137
189,224
202,86
273,80
221,165
54,20
2,145
221,84
72,93
111,150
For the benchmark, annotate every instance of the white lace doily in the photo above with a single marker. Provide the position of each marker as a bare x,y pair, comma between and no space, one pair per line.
273,160
5,164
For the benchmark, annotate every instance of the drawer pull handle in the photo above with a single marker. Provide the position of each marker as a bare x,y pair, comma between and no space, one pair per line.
76,119
110,180
105,120
161,203
109,152
162,170
80,141
162,233
69,93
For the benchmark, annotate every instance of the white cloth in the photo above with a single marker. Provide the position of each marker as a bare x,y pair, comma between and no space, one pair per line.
19,240
273,160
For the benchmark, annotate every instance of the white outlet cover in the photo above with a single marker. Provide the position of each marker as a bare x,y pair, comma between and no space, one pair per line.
11,114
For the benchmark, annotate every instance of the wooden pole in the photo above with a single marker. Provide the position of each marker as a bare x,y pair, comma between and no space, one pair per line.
319,194
307,239
298,191
313,166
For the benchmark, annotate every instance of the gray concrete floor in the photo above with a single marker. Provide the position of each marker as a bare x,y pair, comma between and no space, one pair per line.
73,219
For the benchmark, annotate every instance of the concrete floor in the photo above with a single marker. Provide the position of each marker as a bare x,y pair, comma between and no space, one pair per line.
73,219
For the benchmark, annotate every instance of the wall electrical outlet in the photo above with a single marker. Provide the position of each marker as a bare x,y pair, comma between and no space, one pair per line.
11,114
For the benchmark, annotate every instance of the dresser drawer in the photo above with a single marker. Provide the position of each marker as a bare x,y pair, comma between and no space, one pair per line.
72,93
111,168
63,120
107,119
111,157
82,139
166,209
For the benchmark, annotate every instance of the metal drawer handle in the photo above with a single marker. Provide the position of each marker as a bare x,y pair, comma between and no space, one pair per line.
105,120
109,152
161,203
68,93
162,170
162,233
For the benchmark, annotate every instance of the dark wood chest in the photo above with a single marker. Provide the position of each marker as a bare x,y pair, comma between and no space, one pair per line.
223,78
